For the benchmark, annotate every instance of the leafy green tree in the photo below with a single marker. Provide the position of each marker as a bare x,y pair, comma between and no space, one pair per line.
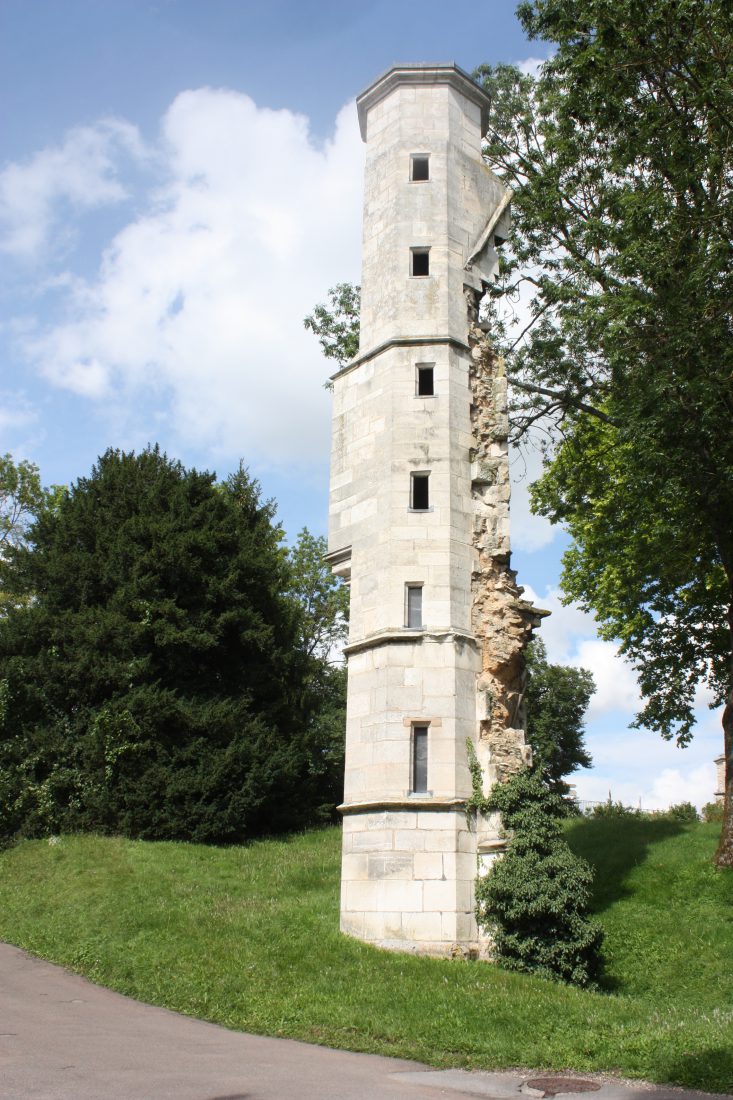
151,685
323,605
337,325
557,698
22,497
322,598
621,160
325,730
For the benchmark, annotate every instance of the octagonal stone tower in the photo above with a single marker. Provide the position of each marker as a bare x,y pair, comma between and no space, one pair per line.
409,512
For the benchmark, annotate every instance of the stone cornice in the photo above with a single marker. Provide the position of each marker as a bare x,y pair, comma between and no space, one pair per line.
422,73
399,342
400,637
480,244
438,805
335,557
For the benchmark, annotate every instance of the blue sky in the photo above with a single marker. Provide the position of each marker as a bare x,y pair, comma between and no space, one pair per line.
180,182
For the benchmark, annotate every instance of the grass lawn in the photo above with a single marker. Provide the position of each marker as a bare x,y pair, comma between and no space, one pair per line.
248,937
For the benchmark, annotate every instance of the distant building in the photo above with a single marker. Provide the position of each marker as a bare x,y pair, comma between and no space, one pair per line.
720,784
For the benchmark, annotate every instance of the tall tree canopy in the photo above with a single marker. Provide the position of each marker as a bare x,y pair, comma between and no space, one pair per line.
153,685
621,159
557,698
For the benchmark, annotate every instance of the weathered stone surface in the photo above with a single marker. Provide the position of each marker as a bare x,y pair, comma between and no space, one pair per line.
501,619
409,857
720,778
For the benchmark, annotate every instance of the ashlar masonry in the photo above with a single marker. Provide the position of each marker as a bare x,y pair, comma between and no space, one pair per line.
419,522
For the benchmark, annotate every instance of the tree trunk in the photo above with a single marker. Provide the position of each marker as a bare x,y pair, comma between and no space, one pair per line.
724,854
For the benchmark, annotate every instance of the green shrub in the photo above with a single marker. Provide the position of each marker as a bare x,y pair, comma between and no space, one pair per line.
713,811
681,811
613,809
534,901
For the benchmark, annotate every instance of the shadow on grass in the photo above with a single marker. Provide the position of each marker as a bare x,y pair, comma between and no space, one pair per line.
710,1069
614,846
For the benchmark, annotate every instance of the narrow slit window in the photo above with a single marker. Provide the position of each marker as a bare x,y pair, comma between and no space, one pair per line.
420,262
413,610
425,380
419,167
420,759
419,492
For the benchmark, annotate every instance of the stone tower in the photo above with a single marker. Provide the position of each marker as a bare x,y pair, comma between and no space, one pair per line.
419,521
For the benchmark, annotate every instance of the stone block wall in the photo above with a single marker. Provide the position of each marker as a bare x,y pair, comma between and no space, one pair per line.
408,880
410,857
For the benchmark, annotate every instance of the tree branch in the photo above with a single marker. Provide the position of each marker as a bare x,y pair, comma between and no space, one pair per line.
563,399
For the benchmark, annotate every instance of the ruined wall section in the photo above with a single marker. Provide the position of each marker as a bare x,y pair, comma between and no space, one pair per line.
502,621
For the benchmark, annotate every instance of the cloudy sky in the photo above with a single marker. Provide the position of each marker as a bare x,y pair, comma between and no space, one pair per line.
180,182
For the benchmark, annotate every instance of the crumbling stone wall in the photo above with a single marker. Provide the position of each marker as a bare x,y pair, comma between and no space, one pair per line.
501,619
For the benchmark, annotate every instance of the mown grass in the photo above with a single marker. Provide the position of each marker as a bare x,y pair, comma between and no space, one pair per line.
248,937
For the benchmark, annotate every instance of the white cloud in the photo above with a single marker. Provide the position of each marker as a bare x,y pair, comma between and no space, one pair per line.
16,415
697,786
530,66
566,626
198,305
650,791
569,634
617,688
83,171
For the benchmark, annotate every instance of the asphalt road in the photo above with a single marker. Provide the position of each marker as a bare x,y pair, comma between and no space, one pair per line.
62,1038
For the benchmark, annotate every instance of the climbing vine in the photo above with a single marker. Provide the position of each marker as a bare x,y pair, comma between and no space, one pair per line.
478,803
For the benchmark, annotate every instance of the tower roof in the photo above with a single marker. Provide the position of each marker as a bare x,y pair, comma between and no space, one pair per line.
422,72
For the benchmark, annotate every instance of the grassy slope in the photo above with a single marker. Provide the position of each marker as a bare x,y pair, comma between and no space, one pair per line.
249,937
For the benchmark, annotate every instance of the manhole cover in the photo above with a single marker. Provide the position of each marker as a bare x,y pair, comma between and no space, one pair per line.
557,1086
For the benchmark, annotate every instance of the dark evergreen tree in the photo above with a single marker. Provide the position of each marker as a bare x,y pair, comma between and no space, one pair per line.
151,685
535,901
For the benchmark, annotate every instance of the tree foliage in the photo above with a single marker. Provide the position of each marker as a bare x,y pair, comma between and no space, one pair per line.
337,325
534,900
153,685
322,601
322,597
22,497
621,159
557,698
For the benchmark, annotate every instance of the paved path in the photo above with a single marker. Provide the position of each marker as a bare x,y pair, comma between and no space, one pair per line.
62,1038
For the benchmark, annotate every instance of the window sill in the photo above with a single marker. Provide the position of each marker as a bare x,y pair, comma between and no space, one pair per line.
430,509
